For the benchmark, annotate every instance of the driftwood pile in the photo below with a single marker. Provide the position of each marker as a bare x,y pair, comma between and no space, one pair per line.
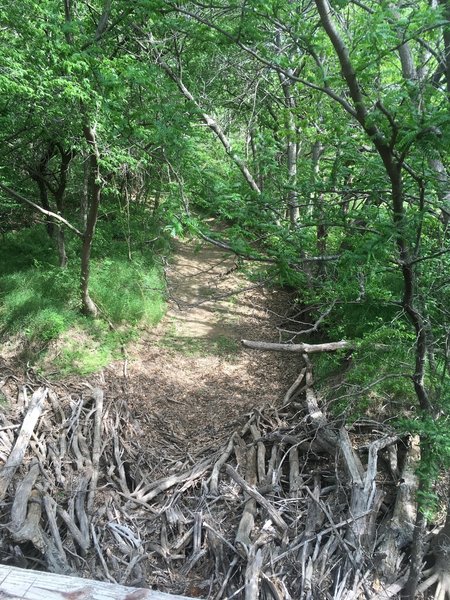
293,506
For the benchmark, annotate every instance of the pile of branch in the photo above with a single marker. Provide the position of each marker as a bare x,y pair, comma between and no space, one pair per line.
293,506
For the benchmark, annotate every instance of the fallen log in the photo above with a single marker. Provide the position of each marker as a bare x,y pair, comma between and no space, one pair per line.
303,348
33,585
18,452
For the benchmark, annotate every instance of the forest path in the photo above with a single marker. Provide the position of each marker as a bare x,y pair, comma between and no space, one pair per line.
189,380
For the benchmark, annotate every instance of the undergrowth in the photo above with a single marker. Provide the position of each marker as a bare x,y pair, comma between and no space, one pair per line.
39,302
222,345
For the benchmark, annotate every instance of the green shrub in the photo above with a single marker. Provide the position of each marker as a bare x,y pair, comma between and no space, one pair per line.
40,301
128,291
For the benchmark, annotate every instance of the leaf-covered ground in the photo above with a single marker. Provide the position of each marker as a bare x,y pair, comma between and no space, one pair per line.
191,373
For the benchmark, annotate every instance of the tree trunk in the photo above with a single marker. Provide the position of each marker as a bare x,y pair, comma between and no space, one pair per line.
59,194
61,244
38,175
94,195
291,151
85,194
317,151
446,36
43,198
443,184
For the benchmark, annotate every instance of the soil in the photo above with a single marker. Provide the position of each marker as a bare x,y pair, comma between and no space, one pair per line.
190,380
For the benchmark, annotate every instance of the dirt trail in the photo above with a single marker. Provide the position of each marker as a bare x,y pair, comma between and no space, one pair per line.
189,380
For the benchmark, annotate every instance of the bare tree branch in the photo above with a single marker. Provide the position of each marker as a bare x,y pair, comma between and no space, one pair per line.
304,348
48,213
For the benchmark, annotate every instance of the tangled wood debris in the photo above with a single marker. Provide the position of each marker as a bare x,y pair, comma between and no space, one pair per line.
294,505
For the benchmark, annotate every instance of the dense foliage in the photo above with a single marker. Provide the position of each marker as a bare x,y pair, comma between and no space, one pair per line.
318,133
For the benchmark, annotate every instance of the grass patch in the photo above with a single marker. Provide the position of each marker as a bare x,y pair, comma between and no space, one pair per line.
87,347
128,292
200,346
40,302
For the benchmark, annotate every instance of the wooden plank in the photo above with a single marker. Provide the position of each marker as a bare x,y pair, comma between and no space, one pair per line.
23,584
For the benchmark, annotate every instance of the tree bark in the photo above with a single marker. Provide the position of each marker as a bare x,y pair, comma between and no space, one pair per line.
59,194
317,151
88,306
291,150
446,36
38,175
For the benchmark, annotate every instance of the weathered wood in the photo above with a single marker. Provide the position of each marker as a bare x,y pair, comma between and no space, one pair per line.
306,348
252,574
23,491
294,387
30,530
97,394
400,530
251,491
365,498
18,452
288,466
214,480
162,485
18,584
246,525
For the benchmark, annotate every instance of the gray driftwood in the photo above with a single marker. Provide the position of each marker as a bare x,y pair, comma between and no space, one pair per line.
18,452
303,348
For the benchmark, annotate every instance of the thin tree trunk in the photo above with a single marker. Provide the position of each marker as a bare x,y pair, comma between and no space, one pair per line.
88,306
43,199
255,160
39,176
317,151
85,194
446,36
291,151
443,184
59,194
292,209
61,245
417,555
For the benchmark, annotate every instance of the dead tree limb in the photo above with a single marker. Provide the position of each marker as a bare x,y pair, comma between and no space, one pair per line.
304,348
18,452
42,210
399,533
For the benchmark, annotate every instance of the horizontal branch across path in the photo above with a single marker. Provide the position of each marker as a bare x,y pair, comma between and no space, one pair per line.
305,348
